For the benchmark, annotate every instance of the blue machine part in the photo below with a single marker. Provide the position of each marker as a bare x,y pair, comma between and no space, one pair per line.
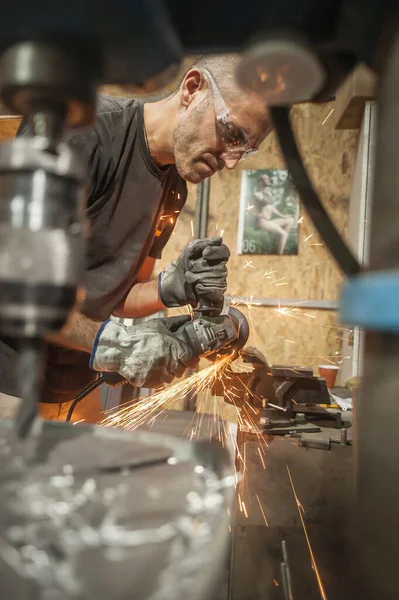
372,301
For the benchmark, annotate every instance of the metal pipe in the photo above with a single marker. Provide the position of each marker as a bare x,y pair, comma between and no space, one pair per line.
202,209
284,302
377,410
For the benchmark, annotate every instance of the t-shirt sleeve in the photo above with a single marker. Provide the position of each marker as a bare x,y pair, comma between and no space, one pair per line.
167,222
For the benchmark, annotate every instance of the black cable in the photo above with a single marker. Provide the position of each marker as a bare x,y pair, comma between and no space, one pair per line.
82,395
309,197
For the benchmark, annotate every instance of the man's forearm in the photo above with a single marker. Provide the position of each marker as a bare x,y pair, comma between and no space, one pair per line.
79,333
142,300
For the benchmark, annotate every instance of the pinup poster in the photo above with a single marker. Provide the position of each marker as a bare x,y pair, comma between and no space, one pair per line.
269,213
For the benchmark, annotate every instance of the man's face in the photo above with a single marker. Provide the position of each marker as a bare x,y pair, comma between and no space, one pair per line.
198,147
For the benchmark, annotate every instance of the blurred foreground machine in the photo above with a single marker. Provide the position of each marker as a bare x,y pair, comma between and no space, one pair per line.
52,59
93,513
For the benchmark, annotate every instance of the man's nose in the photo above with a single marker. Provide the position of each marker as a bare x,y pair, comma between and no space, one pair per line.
230,162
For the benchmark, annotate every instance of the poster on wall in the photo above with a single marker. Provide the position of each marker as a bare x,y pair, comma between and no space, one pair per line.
269,213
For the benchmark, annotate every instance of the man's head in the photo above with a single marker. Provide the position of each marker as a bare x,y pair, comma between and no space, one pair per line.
199,145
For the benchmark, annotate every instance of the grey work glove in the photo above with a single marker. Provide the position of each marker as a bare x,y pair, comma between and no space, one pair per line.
146,354
199,272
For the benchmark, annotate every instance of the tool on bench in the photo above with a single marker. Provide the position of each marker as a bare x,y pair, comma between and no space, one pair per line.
294,387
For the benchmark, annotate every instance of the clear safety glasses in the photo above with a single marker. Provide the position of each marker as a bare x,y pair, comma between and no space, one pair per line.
234,138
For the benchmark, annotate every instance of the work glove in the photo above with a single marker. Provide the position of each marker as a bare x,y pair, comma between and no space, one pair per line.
146,355
199,272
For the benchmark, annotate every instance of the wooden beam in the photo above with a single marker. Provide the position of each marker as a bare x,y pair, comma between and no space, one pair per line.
351,97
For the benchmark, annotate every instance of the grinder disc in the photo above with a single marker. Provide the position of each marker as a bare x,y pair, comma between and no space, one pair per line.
241,324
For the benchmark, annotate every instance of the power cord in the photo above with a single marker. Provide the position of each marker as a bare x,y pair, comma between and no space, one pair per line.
321,220
82,395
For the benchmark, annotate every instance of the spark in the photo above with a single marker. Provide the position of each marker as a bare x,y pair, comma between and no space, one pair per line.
251,407
76,422
239,502
289,341
178,196
275,582
262,511
171,220
177,212
192,228
134,414
309,236
308,315
217,225
318,244
244,509
261,458
266,273
249,264
249,207
329,114
287,311
300,220
301,511
221,232
229,528
283,283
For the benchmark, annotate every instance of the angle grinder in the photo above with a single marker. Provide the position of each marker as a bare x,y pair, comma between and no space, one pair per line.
215,330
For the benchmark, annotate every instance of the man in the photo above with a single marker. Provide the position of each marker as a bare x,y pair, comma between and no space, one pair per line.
140,156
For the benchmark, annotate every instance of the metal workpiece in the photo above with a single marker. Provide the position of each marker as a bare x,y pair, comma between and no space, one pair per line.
100,512
377,408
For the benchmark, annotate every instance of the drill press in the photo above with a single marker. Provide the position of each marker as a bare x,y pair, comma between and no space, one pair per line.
41,202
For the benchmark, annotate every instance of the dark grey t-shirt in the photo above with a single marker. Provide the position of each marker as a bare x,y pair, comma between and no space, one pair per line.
129,204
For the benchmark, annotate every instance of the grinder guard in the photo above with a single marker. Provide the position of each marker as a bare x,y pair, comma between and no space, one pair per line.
214,336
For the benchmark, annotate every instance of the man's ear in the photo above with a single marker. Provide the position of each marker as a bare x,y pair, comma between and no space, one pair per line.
193,82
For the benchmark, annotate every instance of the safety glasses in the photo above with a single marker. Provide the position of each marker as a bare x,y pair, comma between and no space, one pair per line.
234,138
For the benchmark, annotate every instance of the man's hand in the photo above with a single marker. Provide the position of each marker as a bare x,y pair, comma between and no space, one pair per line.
199,272
146,355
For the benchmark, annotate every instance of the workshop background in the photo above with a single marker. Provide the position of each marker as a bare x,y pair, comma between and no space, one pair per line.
301,335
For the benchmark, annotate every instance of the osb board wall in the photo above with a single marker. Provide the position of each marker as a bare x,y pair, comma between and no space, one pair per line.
304,337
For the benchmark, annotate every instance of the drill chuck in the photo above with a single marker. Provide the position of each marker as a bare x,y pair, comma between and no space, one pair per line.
41,236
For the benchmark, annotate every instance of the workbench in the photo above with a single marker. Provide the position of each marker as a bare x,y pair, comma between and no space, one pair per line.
323,484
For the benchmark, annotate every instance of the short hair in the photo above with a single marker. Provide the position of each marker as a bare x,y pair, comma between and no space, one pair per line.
223,68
